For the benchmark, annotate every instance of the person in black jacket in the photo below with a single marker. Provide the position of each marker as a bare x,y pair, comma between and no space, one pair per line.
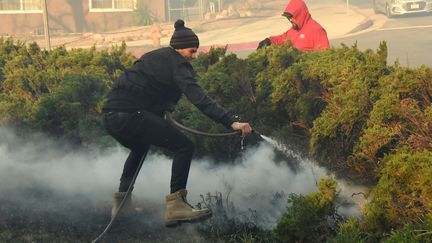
133,115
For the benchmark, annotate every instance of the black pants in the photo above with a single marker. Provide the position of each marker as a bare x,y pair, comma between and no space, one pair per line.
138,131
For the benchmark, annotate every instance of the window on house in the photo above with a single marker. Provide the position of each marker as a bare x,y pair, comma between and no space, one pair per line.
20,6
112,5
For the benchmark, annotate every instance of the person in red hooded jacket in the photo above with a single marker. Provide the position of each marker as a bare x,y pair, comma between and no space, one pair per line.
305,34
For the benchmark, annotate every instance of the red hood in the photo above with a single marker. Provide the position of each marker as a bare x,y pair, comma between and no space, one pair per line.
299,11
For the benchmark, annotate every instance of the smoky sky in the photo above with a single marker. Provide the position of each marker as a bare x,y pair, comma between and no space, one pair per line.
37,164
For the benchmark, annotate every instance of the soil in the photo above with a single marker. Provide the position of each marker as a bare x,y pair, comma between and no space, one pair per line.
62,218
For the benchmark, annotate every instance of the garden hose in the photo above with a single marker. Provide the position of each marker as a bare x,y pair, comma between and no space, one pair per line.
129,190
193,131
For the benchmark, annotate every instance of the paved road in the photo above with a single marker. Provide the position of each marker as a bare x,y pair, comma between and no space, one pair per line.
408,40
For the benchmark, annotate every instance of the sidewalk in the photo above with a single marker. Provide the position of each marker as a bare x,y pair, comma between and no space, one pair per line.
333,15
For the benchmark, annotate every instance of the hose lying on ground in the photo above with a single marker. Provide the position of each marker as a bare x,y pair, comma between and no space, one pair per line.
129,190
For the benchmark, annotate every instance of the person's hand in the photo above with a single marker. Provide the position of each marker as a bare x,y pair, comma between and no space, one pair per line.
244,127
263,43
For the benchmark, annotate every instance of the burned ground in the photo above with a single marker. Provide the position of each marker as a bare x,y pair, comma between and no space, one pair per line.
44,216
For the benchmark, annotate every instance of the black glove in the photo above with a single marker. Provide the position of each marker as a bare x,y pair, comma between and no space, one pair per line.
263,43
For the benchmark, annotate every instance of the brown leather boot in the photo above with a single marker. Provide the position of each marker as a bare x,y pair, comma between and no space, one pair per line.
178,210
127,210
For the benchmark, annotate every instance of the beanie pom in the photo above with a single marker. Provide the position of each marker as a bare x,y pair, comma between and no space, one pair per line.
183,37
179,24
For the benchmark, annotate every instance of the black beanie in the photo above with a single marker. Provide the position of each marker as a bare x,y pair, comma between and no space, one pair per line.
183,37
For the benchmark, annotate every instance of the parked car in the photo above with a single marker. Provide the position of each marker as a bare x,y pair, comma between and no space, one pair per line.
399,7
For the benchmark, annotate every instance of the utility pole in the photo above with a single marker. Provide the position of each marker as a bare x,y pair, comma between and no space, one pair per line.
347,7
46,26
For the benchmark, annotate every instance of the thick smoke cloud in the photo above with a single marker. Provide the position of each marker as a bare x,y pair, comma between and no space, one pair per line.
40,165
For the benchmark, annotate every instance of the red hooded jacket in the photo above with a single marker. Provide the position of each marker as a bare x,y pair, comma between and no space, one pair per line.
311,36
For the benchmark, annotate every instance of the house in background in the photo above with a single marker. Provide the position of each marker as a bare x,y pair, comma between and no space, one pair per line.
25,17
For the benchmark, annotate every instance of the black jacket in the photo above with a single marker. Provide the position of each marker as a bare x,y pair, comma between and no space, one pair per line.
156,82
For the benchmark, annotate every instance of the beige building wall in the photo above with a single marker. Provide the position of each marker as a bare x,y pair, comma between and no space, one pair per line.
73,16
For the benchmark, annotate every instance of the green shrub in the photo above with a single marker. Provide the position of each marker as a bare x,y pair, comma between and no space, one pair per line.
403,193
347,76
60,92
419,232
400,116
348,232
306,219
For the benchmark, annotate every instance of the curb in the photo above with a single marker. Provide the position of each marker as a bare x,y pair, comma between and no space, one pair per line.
366,23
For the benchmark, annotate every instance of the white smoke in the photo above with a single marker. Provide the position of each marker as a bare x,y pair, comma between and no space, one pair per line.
251,182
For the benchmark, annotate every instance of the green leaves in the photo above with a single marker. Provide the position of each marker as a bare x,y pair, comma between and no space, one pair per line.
76,98
355,114
306,218
59,91
403,193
